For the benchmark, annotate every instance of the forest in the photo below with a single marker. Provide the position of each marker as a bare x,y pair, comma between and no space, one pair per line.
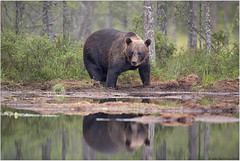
43,40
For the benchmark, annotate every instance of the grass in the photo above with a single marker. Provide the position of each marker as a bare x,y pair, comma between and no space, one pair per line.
59,88
205,101
169,104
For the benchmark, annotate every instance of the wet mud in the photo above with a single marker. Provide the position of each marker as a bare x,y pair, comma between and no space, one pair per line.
171,103
168,108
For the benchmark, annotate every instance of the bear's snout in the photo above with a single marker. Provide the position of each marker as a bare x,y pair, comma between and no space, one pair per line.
134,60
134,63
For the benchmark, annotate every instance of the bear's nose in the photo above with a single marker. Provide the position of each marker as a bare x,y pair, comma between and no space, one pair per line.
134,63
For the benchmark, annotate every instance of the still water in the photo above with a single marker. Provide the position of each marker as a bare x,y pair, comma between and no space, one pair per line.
101,136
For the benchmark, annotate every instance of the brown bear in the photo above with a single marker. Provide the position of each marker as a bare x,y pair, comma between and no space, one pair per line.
109,52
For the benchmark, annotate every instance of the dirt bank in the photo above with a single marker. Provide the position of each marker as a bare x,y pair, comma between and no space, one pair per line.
191,82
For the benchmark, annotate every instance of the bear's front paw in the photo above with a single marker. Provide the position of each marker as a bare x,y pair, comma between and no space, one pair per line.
149,86
113,88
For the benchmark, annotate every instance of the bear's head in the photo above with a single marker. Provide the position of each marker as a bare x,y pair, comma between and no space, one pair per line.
137,50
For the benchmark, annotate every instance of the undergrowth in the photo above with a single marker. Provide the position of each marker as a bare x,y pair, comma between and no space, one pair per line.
31,58
37,58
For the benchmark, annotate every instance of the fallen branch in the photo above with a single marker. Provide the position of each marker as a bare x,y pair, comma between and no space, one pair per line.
237,44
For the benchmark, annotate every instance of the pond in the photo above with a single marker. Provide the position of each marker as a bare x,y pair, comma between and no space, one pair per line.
116,125
113,136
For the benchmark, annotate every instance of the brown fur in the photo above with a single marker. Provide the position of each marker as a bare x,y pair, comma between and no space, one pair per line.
120,45
108,52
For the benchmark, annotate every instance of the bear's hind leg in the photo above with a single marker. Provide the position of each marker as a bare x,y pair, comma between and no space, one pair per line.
94,72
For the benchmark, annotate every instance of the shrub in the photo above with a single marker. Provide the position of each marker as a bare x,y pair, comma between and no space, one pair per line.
219,66
220,40
164,48
37,58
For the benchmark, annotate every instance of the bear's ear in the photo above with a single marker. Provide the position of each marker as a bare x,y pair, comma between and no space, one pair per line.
148,42
128,40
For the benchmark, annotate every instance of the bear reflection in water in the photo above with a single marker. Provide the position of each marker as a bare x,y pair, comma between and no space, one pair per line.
114,136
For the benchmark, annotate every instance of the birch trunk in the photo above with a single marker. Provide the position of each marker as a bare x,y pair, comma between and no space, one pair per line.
207,26
206,142
192,36
19,16
200,24
147,153
192,142
148,27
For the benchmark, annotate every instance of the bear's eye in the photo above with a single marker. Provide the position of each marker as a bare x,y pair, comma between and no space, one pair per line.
139,53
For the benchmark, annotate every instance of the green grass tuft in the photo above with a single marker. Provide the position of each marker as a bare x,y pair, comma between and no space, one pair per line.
59,88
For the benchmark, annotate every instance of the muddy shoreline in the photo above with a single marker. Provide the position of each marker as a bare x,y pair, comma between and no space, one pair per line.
189,83
175,102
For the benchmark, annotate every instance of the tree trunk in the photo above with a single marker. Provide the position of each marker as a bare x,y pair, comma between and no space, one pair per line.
18,145
87,152
19,16
125,15
162,16
66,22
199,141
207,26
48,19
206,142
46,150
192,36
148,27
1,16
109,16
192,142
162,151
226,15
86,16
64,143
173,22
200,24
214,15
147,153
